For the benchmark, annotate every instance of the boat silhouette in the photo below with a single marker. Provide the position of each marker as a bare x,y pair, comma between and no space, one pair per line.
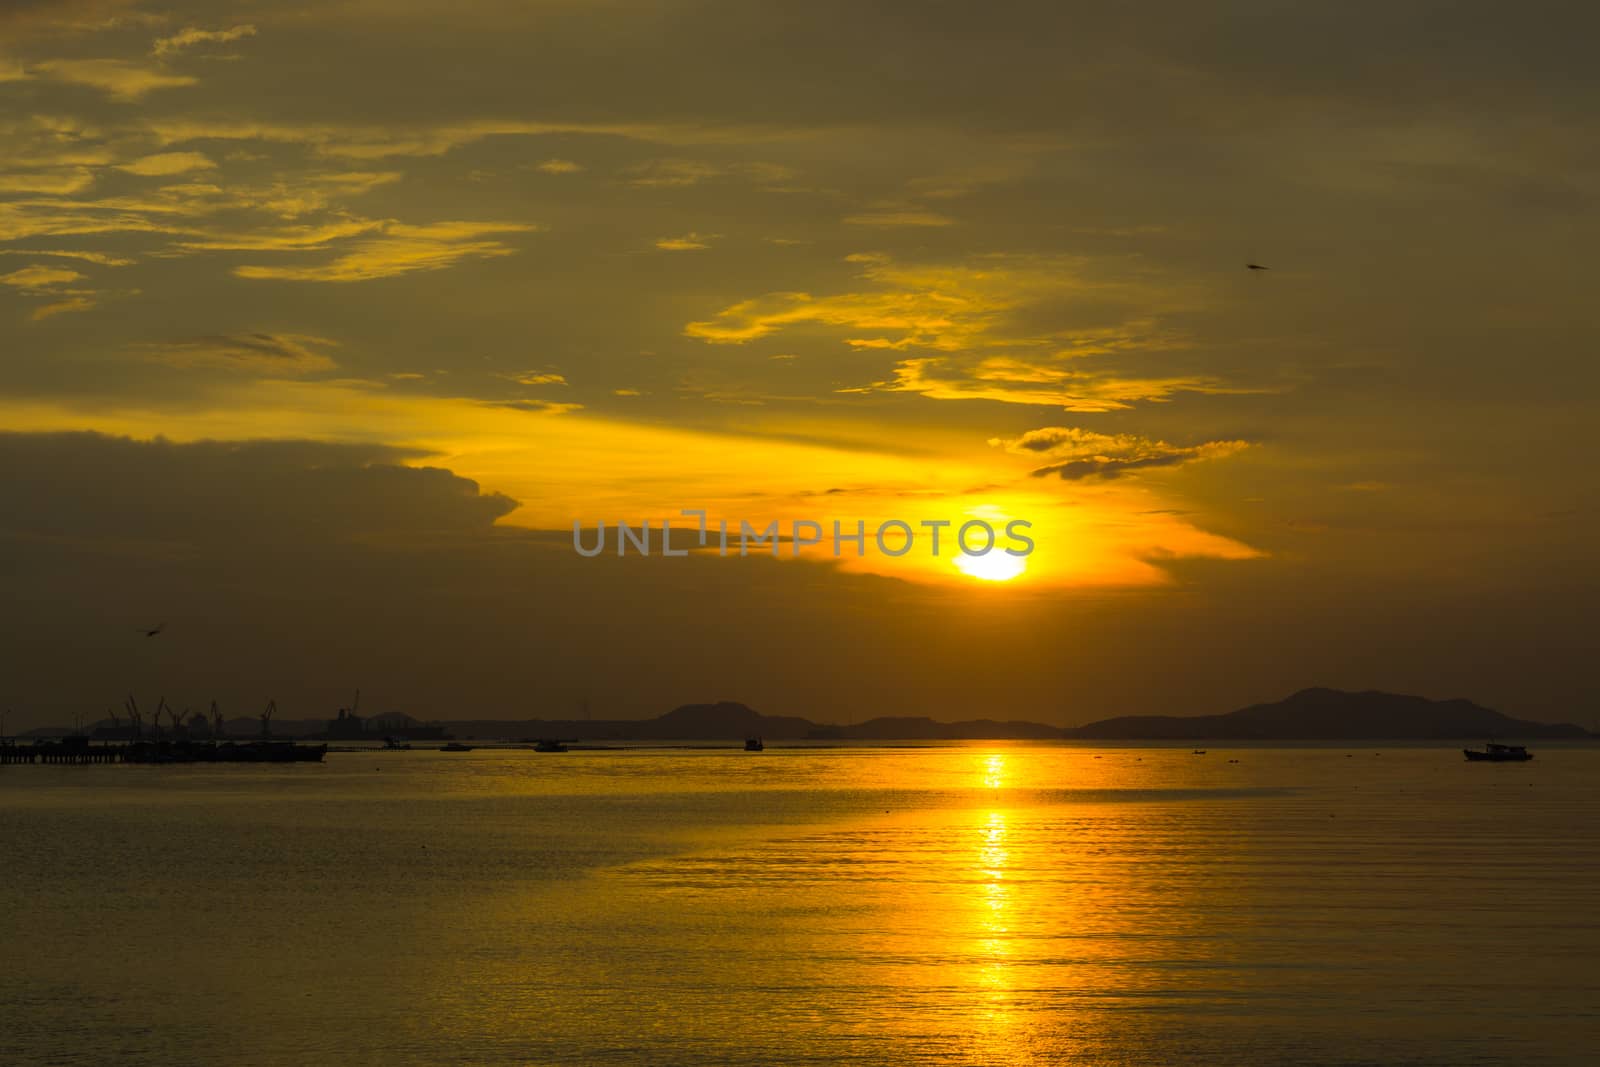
1493,753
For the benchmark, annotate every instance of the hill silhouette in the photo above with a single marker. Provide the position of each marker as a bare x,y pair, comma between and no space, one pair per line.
723,719
1332,715
1309,715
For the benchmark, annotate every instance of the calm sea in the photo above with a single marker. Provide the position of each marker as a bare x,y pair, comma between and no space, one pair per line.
963,904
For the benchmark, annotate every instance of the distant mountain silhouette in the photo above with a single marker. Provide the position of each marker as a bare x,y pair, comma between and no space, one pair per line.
723,719
1331,715
1309,715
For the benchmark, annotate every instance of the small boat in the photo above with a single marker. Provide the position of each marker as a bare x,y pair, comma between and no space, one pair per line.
456,746
1198,752
1493,753
548,744
395,746
753,744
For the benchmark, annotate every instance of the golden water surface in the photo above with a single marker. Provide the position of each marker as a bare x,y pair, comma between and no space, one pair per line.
961,904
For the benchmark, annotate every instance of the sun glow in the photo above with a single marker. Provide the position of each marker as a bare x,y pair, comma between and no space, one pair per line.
996,566
569,465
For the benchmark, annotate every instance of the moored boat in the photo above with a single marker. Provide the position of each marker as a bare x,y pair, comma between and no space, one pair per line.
1493,753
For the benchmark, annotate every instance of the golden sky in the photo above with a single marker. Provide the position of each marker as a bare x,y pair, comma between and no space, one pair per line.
612,259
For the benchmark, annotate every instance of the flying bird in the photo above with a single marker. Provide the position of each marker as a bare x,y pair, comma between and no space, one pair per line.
158,629
1255,266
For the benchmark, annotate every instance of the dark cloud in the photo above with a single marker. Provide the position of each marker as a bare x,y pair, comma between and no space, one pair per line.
537,407
1102,467
1087,454
87,487
261,353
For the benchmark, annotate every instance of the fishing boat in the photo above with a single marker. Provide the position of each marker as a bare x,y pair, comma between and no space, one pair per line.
1493,753
456,746
549,744
753,744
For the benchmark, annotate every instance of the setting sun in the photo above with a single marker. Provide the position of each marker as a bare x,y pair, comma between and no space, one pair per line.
993,567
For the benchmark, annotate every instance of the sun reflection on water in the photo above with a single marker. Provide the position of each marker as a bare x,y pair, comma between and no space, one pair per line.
994,771
994,920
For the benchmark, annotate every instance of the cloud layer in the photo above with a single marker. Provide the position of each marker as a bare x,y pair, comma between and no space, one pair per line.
1077,454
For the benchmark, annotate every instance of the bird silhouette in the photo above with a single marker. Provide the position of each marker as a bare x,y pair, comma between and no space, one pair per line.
1255,266
159,627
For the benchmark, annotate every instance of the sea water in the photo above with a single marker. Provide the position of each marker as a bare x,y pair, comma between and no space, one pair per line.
981,903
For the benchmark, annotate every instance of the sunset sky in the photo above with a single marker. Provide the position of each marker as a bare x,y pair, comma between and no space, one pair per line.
405,288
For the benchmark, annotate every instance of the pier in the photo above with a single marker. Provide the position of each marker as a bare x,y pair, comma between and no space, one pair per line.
72,750
79,751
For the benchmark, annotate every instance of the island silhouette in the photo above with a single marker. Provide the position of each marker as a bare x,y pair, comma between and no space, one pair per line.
1316,714
1320,714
